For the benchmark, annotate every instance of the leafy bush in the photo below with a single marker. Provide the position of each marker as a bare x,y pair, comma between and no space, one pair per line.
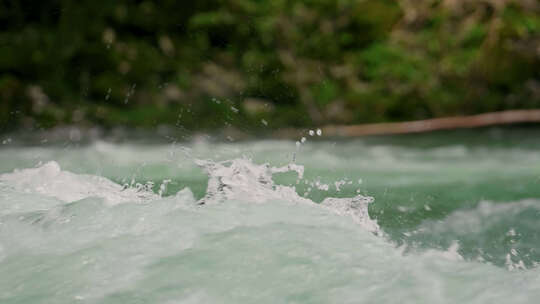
292,63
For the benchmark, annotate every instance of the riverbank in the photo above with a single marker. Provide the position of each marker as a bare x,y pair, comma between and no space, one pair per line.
519,119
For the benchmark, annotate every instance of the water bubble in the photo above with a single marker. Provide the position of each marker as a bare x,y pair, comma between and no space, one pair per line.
311,132
303,140
319,132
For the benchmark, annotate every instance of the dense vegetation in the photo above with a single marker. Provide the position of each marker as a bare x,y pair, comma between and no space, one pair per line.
209,63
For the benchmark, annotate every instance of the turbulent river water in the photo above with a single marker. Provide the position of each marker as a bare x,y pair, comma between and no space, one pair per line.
448,217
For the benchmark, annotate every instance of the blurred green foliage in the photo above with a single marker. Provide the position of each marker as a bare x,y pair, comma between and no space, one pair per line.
213,63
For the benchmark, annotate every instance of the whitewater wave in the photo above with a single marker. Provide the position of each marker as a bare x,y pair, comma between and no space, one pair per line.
499,233
77,237
241,179
49,180
238,179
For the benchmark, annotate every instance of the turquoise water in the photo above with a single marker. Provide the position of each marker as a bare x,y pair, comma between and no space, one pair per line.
453,218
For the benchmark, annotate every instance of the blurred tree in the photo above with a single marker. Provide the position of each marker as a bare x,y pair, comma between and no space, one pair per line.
293,63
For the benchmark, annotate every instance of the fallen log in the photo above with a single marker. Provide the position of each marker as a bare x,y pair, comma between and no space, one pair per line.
427,125
457,122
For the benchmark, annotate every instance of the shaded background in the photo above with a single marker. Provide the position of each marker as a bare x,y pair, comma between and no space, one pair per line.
263,64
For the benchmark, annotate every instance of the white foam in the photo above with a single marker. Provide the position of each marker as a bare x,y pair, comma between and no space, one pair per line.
49,180
241,179
255,239
451,254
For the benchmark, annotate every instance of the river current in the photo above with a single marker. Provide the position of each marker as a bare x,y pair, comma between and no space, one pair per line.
448,217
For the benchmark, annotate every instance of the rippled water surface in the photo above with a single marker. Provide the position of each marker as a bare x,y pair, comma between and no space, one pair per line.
448,217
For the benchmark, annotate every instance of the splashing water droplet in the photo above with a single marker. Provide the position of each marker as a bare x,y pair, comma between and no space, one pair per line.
108,94
163,187
130,93
241,179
